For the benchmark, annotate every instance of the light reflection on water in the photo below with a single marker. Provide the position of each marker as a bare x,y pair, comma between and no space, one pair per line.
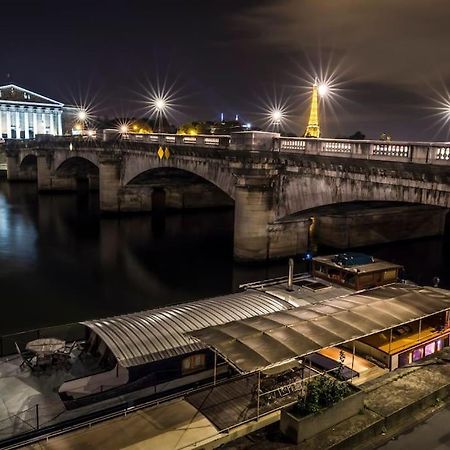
17,237
60,262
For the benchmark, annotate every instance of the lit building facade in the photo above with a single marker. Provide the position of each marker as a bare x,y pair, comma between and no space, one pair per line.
24,114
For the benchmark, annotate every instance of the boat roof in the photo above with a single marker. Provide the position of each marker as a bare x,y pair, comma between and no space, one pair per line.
375,266
259,343
157,334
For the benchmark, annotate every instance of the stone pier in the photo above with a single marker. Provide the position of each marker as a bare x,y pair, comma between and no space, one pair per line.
254,198
110,164
17,170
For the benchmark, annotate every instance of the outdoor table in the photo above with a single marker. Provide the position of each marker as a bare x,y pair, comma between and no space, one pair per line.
45,347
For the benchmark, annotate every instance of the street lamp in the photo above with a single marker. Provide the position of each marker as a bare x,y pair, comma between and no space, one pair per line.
323,89
276,117
160,106
82,115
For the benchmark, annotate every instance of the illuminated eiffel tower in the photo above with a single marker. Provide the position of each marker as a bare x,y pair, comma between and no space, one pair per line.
313,128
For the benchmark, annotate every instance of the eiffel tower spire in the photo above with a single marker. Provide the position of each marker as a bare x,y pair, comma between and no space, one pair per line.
313,128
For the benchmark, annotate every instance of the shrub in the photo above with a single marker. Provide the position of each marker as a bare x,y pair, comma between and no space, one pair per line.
321,392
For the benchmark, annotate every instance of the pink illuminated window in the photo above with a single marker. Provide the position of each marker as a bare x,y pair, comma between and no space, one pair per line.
417,354
430,348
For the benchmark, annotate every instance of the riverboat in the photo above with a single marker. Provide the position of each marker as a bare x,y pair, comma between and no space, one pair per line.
349,300
351,316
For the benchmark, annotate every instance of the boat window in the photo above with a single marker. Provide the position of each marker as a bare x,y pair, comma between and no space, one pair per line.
193,363
390,275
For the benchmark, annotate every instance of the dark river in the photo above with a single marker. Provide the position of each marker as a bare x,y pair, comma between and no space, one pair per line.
61,262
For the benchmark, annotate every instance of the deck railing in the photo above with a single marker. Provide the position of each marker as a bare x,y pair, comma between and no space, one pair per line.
68,332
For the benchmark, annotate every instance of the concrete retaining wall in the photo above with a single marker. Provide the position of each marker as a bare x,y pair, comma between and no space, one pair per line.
300,429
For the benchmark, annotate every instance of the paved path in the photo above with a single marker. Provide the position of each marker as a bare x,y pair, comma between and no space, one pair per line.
433,434
168,427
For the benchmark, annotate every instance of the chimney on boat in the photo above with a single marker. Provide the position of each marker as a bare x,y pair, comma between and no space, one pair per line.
290,282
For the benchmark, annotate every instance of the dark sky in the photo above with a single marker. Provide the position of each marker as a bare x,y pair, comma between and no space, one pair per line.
390,59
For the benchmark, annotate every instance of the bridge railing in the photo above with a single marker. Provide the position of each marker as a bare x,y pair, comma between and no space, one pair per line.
202,140
400,151
418,152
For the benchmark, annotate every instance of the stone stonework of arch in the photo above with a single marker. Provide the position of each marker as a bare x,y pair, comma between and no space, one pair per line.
61,157
28,159
214,171
317,182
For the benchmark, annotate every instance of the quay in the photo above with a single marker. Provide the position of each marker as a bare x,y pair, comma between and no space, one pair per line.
234,361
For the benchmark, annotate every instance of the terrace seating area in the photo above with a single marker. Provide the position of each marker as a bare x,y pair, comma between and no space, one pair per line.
29,387
41,354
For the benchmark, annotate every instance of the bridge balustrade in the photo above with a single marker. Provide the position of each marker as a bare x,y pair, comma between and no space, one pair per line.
219,141
420,152
337,147
442,153
395,150
416,152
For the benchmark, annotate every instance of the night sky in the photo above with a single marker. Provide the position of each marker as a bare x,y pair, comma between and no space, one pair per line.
389,59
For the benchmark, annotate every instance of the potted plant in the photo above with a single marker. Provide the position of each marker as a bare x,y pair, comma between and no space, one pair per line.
326,402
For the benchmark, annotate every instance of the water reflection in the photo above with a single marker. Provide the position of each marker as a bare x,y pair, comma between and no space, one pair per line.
17,232
60,262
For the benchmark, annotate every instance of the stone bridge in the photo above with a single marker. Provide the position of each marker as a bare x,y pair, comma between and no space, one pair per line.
267,176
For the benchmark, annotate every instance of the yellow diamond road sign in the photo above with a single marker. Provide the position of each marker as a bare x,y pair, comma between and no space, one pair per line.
167,153
160,153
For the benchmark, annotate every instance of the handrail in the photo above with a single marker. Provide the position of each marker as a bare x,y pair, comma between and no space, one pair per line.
100,417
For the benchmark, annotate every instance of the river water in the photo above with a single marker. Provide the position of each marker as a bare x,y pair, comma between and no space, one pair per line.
61,262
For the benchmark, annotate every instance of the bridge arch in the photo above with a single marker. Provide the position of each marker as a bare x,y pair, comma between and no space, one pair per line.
76,166
29,160
302,193
220,177
176,188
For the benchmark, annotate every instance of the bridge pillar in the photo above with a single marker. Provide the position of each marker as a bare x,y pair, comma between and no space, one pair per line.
110,164
44,170
17,170
13,166
254,210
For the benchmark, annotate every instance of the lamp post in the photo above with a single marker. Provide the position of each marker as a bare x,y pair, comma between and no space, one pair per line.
160,106
81,119
276,116
123,129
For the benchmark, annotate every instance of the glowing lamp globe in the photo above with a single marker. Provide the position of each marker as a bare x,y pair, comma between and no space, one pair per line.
323,89
277,115
82,115
160,104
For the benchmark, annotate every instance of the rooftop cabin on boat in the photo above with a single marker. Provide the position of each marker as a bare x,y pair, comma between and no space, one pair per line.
355,270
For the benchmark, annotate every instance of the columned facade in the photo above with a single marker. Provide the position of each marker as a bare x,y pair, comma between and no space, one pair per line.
24,114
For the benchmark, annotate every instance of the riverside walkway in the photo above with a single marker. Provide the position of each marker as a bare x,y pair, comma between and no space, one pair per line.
394,402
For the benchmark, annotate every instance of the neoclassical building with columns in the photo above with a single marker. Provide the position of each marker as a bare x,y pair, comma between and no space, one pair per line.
24,114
